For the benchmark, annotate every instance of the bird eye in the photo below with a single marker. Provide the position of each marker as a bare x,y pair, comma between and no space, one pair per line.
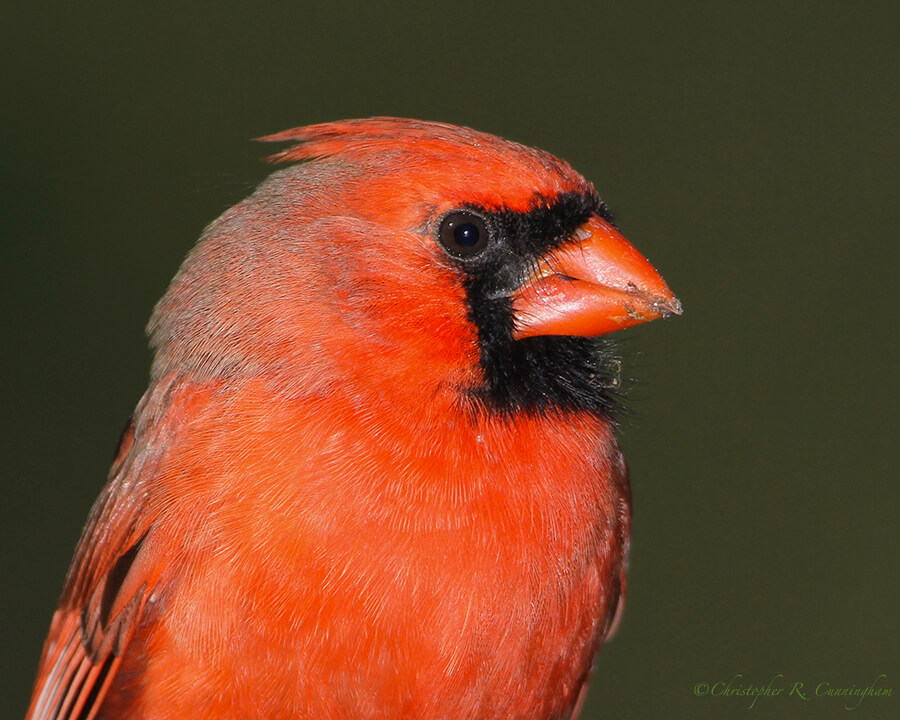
463,233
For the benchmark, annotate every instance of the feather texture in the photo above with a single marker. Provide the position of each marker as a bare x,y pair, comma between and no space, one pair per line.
327,504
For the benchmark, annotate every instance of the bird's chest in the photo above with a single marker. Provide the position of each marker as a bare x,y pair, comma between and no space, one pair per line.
419,587
440,625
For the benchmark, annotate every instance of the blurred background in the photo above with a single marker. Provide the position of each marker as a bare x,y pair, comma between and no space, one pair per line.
749,149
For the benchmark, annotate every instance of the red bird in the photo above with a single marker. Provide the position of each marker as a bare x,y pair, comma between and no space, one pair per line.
375,473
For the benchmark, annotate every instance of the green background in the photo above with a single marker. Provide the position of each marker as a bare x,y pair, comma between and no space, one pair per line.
749,149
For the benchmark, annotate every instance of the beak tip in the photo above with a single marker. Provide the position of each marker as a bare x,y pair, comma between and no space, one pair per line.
669,307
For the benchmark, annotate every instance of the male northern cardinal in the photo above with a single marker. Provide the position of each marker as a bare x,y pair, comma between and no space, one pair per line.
375,473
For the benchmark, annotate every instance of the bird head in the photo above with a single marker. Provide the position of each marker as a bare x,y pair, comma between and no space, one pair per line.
394,250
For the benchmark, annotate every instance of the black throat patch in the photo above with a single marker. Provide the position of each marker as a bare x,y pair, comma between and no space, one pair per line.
548,373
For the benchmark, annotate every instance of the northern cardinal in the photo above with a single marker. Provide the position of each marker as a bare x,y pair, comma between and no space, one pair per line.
375,473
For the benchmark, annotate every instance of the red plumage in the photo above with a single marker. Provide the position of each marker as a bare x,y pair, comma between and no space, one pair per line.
329,503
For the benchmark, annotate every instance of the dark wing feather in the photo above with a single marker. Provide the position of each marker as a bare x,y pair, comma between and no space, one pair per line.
111,578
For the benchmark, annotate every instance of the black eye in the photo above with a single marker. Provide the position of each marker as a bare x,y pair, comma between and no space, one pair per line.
463,233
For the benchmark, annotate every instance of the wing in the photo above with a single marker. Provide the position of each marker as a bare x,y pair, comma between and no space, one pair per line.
622,486
113,574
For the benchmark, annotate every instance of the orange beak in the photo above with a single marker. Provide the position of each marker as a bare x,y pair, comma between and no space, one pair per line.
595,285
